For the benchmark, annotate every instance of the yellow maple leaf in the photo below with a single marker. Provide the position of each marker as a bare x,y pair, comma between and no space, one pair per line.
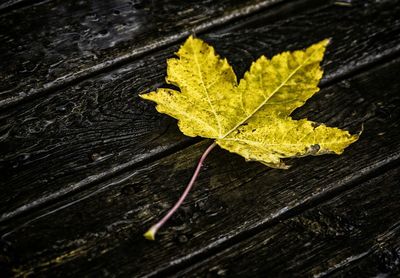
252,117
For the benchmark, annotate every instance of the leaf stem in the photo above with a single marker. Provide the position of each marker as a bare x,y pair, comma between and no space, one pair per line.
151,233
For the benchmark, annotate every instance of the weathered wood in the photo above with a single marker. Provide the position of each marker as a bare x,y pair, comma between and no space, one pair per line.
9,5
47,45
99,231
383,258
64,142
336,237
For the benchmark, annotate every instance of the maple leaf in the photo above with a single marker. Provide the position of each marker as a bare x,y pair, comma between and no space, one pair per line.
252,117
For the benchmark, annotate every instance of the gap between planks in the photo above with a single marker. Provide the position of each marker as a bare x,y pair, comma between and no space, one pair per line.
12,5
84,184
218,246
346,182
109,65
323,266
131,165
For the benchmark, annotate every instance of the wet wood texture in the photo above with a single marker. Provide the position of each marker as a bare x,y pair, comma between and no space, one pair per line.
232,198
86,166
356,232
52,43
97,128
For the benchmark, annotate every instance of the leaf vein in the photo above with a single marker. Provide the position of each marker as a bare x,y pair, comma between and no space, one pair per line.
205,89
273,93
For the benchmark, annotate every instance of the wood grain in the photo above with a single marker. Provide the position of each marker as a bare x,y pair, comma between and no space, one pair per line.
355,234
98,232
67,141
10,5
383,258
48,45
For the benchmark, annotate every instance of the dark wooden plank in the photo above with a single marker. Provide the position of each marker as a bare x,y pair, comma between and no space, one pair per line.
55,42
68,141
325,240
383,260
99,231
9,5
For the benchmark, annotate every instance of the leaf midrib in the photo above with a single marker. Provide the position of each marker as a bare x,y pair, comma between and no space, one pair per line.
205,88
272,94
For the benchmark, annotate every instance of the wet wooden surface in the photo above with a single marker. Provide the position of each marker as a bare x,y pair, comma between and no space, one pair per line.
356,232
54,43
86,166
